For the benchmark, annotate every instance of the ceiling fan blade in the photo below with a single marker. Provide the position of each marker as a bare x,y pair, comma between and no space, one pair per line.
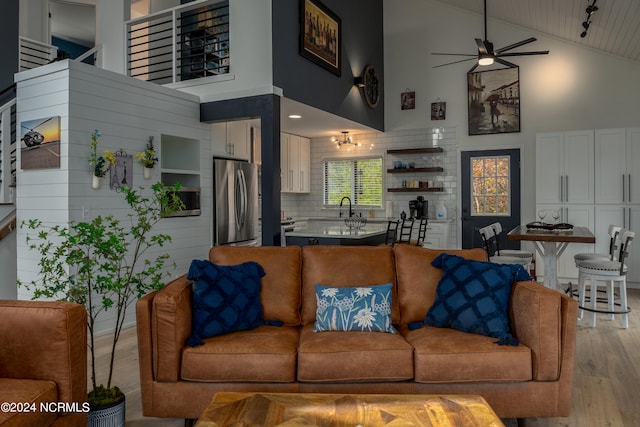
536,52
454,62
456,54
515,45
506,63
473,68
481,46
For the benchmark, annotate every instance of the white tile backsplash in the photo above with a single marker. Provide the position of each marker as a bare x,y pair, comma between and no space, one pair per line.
310,204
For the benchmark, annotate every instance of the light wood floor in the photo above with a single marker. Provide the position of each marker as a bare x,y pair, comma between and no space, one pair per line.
606,377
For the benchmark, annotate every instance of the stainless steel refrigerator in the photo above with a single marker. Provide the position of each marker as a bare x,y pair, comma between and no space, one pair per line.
235,209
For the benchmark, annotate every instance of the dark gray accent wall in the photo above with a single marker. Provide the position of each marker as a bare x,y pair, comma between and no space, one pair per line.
306,82
9,32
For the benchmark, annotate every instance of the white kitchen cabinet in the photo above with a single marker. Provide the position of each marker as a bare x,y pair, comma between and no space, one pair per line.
233,139
611,166
579,216
295,163
565,167
437,235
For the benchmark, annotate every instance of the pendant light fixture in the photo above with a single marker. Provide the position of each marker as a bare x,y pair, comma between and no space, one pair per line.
346,140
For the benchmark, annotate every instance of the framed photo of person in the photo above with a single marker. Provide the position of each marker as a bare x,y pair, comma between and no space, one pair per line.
438,110
494,101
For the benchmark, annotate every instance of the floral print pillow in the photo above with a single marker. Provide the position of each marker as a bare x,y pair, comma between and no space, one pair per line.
366,308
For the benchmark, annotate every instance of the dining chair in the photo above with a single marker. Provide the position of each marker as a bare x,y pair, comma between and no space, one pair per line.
614,234
406,228
517,253
422,232
491,245
609,273
392,232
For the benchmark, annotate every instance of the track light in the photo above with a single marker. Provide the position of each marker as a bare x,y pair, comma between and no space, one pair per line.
591,8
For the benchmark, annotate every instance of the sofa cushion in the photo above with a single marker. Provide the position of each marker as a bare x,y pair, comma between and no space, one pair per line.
22,391
264,354
281,283
354,309
345,266
473,296
224,299
353,357
418,279
445,355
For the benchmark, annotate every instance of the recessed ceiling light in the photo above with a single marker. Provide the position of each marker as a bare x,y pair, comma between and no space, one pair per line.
295,116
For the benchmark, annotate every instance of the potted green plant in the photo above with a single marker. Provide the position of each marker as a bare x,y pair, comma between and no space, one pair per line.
104,265
147,158
99,164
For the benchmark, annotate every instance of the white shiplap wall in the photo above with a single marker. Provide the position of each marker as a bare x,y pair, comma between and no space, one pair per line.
310,204
127,112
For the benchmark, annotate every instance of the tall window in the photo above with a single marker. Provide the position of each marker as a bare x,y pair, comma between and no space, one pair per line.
359,179
490,186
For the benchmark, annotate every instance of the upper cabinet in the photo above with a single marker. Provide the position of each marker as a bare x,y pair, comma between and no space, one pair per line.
617,151
565,167
295,163
239,139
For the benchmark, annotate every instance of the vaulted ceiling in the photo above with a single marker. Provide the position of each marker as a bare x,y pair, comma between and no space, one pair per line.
614,28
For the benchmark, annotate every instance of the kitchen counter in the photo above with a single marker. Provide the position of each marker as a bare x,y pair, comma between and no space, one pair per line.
323,232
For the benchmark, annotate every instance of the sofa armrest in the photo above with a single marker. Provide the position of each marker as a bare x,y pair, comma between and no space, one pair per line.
540,320
170,328
45,340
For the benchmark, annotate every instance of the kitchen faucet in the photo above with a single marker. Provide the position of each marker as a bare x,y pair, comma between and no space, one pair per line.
350,210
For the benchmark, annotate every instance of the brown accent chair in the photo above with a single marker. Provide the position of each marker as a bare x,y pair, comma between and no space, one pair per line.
43,359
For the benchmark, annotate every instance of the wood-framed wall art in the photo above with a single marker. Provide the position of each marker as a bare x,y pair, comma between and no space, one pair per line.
438,110
494,101
40,143
320,35
122,172
408,100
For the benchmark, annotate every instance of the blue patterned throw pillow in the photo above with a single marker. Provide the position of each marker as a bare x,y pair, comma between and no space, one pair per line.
366,308
473,296
224,299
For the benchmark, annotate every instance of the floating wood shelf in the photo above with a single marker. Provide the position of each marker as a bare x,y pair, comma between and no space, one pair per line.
416,190
408,170
427,150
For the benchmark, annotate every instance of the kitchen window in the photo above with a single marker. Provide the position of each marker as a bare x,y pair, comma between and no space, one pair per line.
360,179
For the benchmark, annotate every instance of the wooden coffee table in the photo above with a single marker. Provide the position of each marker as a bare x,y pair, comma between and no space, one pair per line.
370,410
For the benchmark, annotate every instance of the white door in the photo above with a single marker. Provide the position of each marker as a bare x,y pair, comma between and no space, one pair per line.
549,167
579,167
610,165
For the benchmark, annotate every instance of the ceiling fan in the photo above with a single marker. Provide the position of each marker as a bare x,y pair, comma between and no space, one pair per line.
487,55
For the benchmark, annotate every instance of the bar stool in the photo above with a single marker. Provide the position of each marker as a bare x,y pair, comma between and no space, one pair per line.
612,273
422,232
406,227
517,253
490,243
392,232
614,233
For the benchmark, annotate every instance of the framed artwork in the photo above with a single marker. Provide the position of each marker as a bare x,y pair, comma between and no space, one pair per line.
320,35
438,110
122,172
408,100
40,143
494,101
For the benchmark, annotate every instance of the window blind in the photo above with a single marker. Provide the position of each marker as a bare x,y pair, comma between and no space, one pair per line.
359,179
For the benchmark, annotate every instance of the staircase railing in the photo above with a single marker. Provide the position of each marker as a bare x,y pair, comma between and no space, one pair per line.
33,54
182,43
8,146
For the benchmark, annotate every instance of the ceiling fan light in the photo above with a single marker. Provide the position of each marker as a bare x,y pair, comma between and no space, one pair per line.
485,60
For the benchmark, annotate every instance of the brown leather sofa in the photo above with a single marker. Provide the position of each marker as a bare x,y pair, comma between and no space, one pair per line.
43,360
533,379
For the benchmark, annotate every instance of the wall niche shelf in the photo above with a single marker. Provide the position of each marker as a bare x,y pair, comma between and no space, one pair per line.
426,150
416,190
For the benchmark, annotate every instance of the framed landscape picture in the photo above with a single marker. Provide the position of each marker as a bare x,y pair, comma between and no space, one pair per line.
494,101
320,35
